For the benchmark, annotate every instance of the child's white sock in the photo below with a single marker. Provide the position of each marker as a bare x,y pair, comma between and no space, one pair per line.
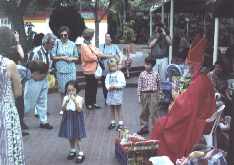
113,122
81,153
121,122
72,150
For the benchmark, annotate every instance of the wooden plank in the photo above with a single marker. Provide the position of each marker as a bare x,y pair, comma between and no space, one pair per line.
44,147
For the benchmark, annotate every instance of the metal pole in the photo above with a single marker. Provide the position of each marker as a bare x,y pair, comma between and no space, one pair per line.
96,23
187,29
163,13
151,22
171,29
216,40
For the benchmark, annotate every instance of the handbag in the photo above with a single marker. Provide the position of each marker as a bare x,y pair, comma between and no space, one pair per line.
51,81
98,72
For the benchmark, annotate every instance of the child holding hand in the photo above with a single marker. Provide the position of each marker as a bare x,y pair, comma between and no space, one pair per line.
72,124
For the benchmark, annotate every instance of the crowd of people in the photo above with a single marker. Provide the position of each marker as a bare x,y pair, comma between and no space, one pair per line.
24,87
57,56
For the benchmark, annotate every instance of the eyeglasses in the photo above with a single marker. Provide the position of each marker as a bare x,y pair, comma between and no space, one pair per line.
63,35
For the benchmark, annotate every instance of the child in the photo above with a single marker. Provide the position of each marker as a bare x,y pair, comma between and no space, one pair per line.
128,62
38,70
148,93
72,124
36,92
115,82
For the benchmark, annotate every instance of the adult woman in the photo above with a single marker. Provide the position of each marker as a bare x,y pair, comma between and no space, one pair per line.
19,101
89,59
11,150
65,55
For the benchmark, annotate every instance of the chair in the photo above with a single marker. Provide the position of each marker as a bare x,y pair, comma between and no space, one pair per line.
210,138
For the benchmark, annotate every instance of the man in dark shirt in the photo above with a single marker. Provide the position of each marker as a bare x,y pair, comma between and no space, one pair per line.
159,44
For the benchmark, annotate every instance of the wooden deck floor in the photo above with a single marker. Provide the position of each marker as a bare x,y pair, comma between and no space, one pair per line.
44,147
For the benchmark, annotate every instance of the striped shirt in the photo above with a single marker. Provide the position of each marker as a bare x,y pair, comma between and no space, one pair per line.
148,81
40,54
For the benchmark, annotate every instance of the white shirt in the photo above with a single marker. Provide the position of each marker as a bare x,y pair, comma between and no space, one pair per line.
71,106
115,79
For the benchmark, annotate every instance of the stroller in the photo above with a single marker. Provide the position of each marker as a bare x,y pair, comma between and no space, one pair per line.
166,86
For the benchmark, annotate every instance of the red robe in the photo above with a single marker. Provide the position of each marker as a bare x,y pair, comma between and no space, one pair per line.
183,126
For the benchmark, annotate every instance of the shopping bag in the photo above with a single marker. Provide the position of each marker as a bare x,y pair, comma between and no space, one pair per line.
51,81
98,72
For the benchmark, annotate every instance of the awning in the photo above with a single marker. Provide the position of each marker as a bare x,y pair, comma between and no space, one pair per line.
184,5
220,8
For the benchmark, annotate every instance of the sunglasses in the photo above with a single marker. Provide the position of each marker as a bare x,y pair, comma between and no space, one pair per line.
63,35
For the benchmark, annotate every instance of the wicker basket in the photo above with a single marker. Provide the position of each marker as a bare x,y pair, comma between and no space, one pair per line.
135,153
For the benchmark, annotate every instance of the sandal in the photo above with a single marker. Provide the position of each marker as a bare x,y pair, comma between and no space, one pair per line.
80,158
71,155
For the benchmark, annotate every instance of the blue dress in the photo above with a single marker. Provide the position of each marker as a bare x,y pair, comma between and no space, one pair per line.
65,71
11,145
72,124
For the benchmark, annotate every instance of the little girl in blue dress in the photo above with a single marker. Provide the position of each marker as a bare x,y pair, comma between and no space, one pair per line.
115,82
72,124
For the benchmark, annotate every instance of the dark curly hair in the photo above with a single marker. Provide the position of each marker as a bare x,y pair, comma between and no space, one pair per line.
7,42
64,28
74,84
37,41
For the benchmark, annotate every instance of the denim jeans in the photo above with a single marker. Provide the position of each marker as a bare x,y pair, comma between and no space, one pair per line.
35,98
161,67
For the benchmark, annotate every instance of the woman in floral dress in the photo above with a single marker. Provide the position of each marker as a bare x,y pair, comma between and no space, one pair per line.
65,54
11,145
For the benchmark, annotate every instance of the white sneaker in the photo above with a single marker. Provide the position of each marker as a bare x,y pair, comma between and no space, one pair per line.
61,112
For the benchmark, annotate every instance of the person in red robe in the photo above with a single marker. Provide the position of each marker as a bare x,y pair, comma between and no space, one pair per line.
184,125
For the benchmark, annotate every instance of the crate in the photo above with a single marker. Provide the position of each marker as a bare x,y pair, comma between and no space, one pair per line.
134,154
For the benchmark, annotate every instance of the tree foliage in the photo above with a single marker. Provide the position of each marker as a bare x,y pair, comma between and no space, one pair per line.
118,10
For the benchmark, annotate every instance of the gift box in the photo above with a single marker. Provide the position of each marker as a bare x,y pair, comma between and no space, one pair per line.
135,153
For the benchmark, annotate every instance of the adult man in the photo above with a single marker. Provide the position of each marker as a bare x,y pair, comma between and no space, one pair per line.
189,111
36,92
159,45
108,49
